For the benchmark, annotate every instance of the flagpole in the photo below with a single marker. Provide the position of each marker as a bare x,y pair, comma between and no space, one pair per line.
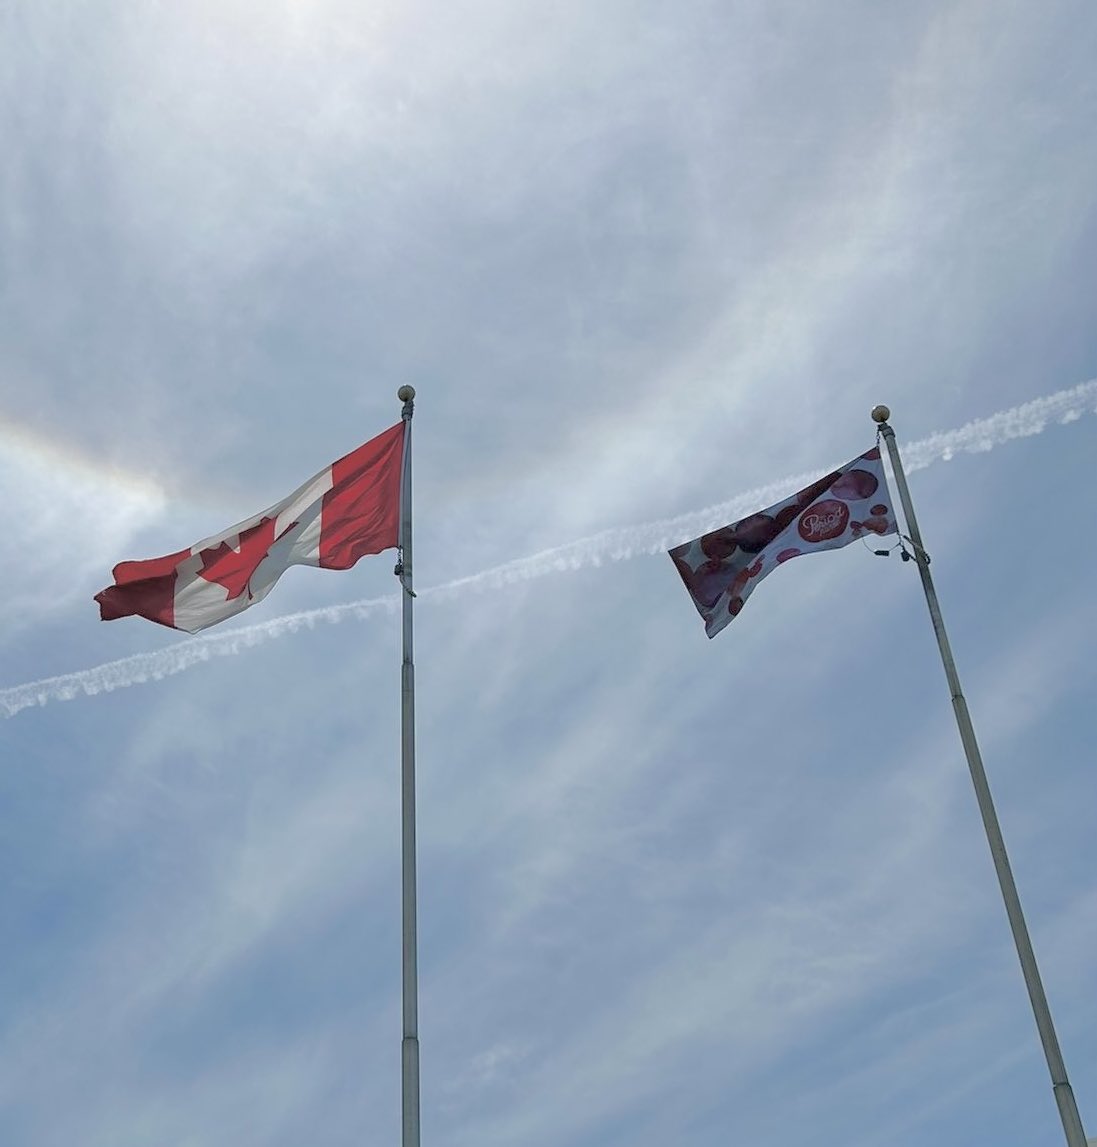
409,1048
1064,1096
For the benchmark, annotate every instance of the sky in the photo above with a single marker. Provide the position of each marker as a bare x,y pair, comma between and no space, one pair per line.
647,266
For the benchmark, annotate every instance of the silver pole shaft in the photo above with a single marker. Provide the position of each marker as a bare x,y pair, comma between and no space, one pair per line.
1064,1096
409,1048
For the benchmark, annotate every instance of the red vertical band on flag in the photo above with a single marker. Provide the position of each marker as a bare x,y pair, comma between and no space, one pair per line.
153,598
360,514
143,589
127,572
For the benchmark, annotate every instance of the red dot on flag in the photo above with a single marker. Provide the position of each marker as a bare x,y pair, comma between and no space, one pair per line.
854,485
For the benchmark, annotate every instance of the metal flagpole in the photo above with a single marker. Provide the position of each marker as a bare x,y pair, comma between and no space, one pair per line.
409,1048
1064,1096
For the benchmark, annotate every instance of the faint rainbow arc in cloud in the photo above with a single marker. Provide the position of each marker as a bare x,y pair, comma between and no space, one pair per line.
20,443
978,436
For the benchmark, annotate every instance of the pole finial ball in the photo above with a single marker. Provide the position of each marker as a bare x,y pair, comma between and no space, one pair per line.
880,414
406,393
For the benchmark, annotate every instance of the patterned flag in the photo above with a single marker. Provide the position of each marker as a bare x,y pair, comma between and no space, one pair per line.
722,568
349,509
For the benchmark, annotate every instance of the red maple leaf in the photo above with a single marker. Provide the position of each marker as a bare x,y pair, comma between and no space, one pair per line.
233,568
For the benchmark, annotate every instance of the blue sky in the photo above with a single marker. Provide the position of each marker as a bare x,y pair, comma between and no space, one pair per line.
643,263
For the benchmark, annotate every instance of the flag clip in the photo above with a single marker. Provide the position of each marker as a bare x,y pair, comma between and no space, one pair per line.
399,572
915,551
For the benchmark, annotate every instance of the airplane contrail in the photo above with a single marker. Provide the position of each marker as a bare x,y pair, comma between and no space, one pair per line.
620,544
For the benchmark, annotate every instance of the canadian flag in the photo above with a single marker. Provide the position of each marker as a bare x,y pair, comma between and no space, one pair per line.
348,510
722,568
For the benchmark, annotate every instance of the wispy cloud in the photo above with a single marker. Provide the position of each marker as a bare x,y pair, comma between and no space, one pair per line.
615,545
67,516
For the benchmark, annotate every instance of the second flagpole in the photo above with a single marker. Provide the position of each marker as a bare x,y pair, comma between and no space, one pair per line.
409,1047
1064,1095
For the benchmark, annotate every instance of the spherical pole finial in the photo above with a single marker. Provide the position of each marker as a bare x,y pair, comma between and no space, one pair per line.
406,393
880,414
